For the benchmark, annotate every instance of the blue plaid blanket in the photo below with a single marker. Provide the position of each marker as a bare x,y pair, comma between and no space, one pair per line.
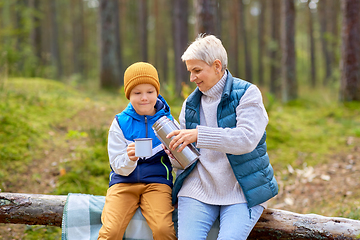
82,220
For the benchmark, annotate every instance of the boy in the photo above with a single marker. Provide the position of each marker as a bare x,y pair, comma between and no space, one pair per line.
138,182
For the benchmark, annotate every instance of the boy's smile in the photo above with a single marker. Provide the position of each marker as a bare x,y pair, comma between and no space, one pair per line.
143,98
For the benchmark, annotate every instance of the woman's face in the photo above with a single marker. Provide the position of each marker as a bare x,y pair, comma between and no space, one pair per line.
202,74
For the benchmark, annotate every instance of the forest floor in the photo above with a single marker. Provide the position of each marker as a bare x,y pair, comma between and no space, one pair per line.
324,189
43,173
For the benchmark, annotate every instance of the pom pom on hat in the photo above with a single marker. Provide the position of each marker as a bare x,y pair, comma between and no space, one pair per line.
140,73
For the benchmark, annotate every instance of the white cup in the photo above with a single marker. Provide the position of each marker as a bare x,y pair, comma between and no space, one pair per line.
143,147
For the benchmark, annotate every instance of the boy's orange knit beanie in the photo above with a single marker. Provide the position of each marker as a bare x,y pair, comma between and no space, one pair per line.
139,73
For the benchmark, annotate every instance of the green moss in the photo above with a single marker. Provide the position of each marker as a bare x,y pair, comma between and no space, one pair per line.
313,129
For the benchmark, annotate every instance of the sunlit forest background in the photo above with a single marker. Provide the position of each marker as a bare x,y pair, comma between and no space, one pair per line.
82,40
61,69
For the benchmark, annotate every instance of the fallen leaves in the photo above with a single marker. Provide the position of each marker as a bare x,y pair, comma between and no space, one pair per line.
321,189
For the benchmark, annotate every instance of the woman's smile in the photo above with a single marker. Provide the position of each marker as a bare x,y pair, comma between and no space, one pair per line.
202,74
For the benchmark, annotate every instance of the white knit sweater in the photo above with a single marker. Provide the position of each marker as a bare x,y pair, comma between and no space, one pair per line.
213,181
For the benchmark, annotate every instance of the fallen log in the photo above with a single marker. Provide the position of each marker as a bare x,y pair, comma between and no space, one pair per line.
31,209
36,209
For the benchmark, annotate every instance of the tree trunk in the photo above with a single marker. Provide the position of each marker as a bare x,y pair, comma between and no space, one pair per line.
334,9
247,49
143,20
110,60
36,209
350,59
77,36
275,56
205,12
180,40
261,41
35,35
312,48
218,18
288,65
55,52
161,10
234,39
323,37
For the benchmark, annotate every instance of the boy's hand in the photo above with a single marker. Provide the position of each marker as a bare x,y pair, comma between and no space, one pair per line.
172,159
131,152
167,151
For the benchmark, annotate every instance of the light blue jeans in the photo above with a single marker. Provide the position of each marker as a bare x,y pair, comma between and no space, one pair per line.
196,218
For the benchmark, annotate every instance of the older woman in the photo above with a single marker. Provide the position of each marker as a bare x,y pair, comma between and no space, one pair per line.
226,119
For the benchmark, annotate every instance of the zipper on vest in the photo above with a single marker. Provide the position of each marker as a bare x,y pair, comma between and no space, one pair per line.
146,126
166,168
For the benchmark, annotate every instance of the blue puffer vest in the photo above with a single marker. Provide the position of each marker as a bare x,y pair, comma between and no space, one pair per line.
157,168
252,170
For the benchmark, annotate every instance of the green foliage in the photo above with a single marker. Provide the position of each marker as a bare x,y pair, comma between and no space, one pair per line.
89,174
308,130
37,232
29,108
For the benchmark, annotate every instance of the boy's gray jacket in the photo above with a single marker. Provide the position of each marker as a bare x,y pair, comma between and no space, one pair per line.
252,170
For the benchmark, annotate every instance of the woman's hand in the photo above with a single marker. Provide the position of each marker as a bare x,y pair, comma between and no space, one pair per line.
131,152
184,137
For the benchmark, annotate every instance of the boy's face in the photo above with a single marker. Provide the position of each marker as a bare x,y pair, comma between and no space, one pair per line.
143,98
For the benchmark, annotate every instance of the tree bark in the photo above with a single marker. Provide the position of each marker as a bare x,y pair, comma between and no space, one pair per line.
247,48
280,224
218,18
37,209
261,42
35,35
275,53
288,63
324,42
110,60
55,51
205,11
334,9
233,64
31,209
77,36
312,48
143,20
161,12
180,41
350,59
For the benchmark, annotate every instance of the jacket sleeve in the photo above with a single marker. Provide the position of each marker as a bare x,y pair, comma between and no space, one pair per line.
182,116
117,145
251,122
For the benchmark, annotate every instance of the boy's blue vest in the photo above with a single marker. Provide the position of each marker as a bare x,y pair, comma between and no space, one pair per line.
252,170
157,168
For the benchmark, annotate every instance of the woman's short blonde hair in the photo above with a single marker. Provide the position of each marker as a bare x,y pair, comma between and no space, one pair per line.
208,49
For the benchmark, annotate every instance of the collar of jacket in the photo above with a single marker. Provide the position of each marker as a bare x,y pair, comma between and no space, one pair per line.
196,95
161,108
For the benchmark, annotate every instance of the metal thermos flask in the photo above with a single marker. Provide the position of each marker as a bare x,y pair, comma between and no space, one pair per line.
162,127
